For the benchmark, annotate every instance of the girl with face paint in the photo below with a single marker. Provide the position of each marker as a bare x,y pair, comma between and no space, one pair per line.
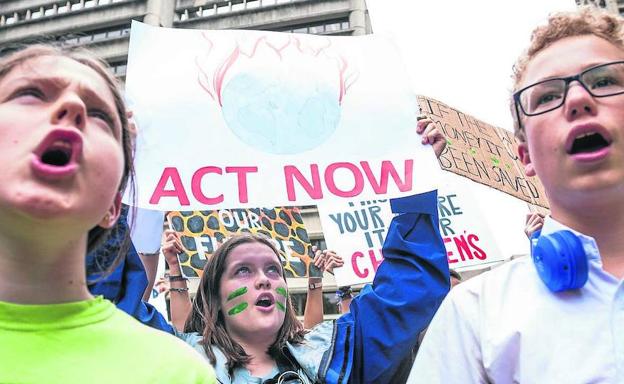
243,322
66,158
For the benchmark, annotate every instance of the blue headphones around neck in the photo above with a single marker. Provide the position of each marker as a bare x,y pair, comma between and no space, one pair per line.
560,260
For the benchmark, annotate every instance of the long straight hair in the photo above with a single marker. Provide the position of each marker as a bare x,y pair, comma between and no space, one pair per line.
206,316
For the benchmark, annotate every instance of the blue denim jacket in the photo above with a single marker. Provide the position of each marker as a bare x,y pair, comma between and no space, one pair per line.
307,354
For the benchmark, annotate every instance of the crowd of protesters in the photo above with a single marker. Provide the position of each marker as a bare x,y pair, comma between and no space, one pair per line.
70,300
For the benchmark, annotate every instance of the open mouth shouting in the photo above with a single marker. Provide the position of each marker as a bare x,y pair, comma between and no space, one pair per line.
57,156
588,142
265,302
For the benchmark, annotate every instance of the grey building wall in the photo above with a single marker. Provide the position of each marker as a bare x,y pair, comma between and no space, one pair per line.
103,25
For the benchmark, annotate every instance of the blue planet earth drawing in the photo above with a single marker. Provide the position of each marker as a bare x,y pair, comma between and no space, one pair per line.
273,115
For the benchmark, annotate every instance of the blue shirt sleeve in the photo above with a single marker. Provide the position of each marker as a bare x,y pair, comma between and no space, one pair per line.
125,287
383,326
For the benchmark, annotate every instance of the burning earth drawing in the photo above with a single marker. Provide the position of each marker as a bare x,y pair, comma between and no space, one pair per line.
278,93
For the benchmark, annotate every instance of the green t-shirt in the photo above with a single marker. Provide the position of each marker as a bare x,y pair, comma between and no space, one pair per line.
91,342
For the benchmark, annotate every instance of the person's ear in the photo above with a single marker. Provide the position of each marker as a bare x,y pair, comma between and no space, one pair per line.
112,214
525,159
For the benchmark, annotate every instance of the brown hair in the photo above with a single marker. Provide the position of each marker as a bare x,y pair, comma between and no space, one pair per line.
585,21
206,316
97,235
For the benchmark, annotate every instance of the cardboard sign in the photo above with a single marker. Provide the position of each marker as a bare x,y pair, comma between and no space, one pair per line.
482,152
231,119
203,231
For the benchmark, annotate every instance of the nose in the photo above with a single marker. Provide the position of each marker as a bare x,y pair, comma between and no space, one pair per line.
70,110
579,102
263,282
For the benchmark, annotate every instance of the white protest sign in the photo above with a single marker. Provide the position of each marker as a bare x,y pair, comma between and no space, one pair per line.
357,230
146,229
468,239
252,118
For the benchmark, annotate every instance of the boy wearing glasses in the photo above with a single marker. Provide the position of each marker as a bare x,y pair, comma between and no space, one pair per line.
508,325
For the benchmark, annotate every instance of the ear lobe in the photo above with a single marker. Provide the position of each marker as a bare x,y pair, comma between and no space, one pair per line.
525,159
112,214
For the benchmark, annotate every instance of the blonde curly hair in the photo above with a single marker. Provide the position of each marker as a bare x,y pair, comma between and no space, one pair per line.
587,20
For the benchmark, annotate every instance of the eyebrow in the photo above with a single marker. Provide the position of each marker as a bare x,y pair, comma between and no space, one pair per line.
583,69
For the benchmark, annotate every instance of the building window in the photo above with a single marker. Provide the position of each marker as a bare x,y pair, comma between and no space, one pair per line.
119,69
329,26
99,35
329,306
319,243
59,7
37,14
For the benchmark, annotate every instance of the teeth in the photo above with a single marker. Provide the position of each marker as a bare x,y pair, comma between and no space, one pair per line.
264,302
61,144
585,135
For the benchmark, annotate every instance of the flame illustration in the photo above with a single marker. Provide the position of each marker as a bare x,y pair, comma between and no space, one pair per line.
211,78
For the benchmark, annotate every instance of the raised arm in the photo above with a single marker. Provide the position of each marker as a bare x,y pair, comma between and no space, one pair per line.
385,319
179,299
408,289
325,261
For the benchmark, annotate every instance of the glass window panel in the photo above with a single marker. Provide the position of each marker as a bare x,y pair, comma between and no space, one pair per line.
332,27
317,29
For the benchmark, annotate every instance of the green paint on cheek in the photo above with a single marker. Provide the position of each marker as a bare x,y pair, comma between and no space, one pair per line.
508,166
448,142
239,292
280,306
473,151
495,160
281,291
238,309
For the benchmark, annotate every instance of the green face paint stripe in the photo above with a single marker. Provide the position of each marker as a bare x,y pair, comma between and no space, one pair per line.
280,306
281,291
238,308
239,292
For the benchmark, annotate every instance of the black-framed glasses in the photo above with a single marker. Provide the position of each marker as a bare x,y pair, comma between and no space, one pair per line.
600,81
